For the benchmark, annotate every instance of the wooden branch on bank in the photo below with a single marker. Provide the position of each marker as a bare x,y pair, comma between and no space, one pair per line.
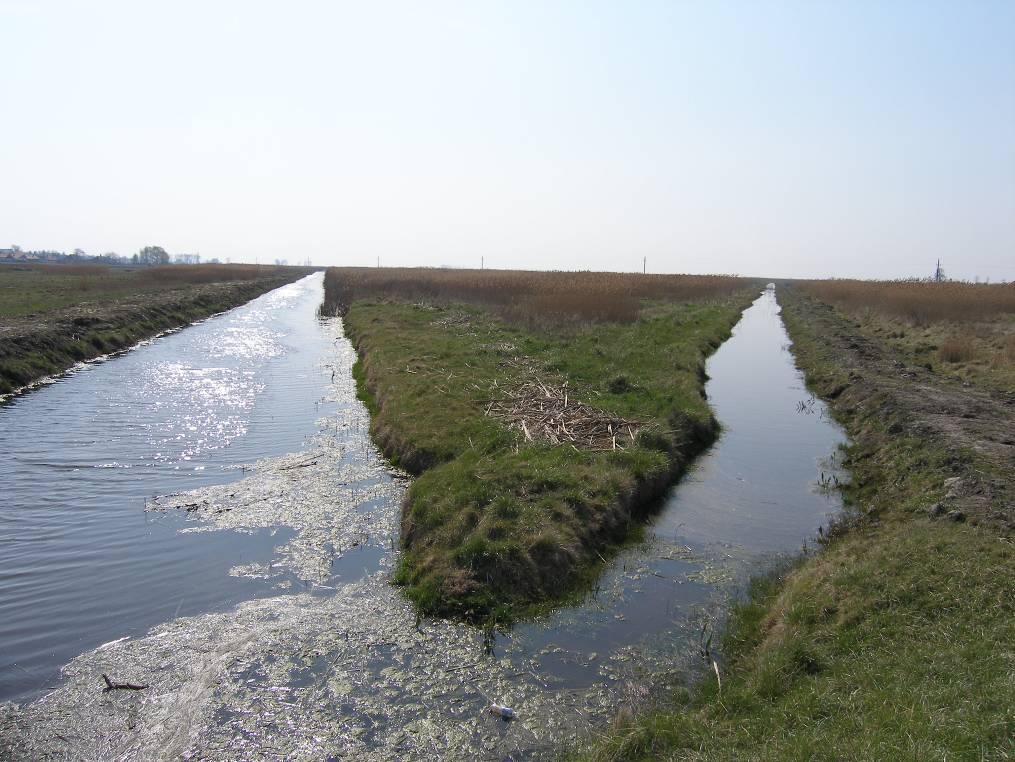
111,686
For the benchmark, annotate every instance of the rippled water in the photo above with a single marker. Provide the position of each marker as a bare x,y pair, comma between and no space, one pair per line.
337,664
81,562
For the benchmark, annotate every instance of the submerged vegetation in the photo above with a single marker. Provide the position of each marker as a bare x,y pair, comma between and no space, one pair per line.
520,494
896,639
52,316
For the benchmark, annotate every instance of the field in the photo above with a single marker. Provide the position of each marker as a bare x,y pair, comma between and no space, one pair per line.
895,639
964,330
52,316
541,429
38,289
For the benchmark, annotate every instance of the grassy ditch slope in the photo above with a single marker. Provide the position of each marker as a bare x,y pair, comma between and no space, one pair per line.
897,639
54,316
541,425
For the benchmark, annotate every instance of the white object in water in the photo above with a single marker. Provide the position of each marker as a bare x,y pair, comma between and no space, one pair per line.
502,711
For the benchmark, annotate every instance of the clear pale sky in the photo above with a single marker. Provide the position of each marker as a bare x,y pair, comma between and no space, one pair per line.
771,138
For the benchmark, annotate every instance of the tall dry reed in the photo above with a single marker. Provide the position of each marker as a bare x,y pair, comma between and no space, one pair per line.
917,302
523,295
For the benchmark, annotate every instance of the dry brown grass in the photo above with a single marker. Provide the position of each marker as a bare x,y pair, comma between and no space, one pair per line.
164,274
526,296
956,349
1006,355
206,273
917,302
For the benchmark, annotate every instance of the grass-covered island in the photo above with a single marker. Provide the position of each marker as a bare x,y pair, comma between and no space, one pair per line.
543,413
53,316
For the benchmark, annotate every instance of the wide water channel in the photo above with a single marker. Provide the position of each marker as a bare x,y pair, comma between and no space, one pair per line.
206,516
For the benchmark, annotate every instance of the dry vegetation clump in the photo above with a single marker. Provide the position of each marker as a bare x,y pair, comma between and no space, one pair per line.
957,349
548,412
1008,354
918,302
525,296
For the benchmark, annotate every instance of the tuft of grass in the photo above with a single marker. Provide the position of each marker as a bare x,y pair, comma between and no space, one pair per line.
495,526
956,349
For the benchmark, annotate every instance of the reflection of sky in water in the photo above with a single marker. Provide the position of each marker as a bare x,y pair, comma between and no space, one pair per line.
218,402
80,561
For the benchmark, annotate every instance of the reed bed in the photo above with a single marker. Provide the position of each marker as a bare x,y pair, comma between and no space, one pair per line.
918,302
526,296
208,273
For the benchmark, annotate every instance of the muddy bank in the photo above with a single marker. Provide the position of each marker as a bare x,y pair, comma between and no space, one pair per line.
32,348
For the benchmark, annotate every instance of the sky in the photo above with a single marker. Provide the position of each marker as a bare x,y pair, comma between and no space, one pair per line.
789,139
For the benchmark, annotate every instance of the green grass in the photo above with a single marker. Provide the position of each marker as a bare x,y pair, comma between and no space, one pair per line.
35,291
496,527
895,641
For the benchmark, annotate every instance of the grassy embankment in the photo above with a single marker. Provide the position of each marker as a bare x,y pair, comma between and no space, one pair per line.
521,491
964,330
897,639
54,316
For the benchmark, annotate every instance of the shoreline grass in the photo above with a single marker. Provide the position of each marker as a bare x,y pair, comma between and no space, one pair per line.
495,526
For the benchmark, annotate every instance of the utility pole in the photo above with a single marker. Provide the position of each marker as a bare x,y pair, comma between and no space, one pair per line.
378,260
482,263
644,265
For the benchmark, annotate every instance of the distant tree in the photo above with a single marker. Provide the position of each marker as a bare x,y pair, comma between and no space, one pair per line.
16,249
153,255
134,259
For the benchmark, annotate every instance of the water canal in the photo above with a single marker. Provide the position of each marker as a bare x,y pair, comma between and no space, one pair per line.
252,593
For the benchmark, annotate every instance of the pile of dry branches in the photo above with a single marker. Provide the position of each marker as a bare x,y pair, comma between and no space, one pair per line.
542,411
